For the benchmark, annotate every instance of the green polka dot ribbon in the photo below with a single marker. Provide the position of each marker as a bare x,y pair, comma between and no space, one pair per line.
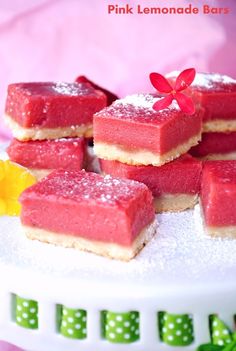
120,327
26,313
222,339
72,323
176,330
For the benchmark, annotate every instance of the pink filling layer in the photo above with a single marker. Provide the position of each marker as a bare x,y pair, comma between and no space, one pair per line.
53,105
182,176
216,93
88,205
133,124
48,154
215,143
218,194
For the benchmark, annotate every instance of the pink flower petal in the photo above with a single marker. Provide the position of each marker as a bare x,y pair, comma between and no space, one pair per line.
163,103
185,79
185,103
160,83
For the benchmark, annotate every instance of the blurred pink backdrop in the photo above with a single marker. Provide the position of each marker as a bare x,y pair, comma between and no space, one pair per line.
60,39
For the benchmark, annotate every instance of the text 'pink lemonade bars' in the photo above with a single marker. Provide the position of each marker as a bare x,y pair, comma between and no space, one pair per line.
175,186
41,157
218,198
104,215
51,110
216,146
216,93
132,132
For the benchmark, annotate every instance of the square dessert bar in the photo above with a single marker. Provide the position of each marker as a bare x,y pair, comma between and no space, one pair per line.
217,95
52,109
104,215
218,198
130,131
175,186
216,146
44,156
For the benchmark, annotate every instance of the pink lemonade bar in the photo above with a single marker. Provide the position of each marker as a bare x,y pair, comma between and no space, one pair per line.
42,157
130,131
216,146
218,198
104,215
175,186
217,95
52,110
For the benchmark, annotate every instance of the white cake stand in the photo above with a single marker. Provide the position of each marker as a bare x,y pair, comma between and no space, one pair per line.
180,271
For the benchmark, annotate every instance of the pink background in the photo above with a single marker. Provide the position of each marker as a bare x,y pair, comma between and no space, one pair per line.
60,39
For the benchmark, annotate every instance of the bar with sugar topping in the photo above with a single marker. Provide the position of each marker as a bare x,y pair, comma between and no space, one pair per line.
132,132
104,215
52,110
216,94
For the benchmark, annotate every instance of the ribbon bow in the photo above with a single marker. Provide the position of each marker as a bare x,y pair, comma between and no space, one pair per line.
229,347
183,81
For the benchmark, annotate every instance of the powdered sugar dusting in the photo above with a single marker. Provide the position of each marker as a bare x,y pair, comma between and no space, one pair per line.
209,81
144,101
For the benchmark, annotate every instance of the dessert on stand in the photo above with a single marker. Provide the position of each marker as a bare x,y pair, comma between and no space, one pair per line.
177,289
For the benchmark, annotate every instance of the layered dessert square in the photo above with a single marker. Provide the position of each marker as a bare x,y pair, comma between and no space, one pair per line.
41,157
104,215
218,198
175,186
132,132
52,110
216,146
217,95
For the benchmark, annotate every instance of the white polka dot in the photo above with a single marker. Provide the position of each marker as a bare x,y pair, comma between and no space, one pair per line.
119,330
127,336
215,323
228,341
170,337
32,321
133,316
127,324
179,320
171,326
64,324
137,332
70,320
185,326
33,310
165,317
112,335
185,338
132,328
65,312
78,314
19,319
84,319
137,320
217,333
25,315
19,308
77,326
119,318
107,327
112,323
70,331
178,332
220,342
25,304
84,331
164,330
225,332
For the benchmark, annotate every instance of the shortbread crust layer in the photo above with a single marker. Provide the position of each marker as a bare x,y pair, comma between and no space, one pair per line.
174,202
40,173
38,133
215,157
110,250
222,232
219,125
142,157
